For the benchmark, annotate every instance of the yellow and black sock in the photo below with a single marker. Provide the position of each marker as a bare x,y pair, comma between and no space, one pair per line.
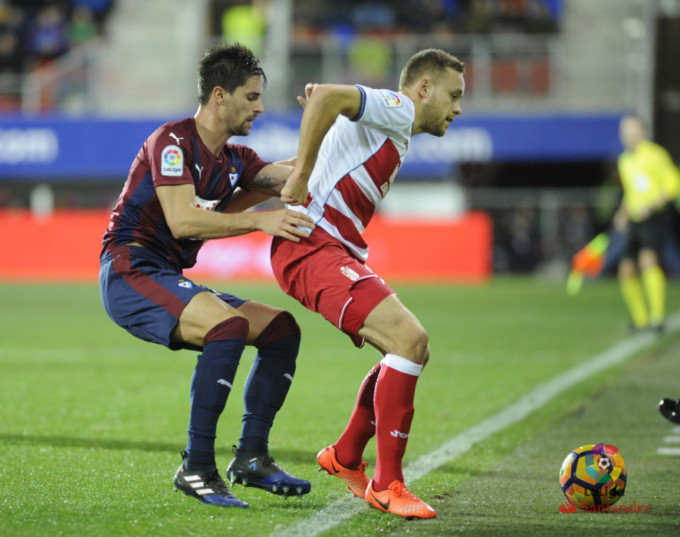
635,300
654,282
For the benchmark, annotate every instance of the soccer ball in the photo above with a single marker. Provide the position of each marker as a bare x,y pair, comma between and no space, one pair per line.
593,475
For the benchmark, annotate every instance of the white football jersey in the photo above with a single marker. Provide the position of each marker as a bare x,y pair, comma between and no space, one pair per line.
357,163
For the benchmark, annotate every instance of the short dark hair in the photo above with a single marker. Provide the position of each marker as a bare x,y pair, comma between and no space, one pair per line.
429,61
227,66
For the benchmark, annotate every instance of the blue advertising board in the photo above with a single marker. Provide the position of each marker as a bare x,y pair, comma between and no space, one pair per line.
57,148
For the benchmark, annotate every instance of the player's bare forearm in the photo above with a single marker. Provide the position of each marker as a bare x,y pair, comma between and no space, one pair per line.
243,200
323,104
323,107
288,162
270,180
189,222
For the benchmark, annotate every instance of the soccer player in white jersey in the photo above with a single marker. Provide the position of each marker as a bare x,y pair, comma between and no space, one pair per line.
352,142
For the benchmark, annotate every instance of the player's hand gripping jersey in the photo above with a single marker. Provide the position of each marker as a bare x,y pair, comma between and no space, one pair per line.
175,155
357,163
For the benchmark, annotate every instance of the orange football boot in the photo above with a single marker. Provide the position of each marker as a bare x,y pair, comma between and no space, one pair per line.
355,478
398,500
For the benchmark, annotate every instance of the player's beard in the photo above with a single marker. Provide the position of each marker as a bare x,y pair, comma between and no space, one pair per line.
434,124
241,129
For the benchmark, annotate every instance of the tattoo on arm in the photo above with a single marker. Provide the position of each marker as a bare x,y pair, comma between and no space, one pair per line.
266,183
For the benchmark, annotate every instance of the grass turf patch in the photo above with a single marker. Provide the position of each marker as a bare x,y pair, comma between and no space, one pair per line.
508,485
92,419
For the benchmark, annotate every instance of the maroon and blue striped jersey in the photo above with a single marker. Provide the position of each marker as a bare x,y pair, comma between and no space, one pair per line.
175,155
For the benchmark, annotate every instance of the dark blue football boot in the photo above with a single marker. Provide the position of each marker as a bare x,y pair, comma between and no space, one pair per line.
262,472
208,486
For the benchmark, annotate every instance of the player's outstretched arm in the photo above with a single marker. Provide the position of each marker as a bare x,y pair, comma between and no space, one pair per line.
270,179
243,200
266,184
186,221
323,104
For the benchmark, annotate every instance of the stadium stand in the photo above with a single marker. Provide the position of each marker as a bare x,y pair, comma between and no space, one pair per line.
34,33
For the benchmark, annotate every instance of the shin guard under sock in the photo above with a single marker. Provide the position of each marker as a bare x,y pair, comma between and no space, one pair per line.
393,401
210,387
349,448
268,382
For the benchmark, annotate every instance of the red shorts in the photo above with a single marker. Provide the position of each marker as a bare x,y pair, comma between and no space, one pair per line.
324,277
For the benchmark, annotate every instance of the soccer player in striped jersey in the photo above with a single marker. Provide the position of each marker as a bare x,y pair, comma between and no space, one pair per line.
352,142
173,201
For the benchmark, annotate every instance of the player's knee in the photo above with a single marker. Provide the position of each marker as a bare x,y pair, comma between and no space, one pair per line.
648,259
627,268
413,343
426,358
422,347
281,326
235,327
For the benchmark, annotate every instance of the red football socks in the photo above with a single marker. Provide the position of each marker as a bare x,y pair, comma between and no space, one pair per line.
393,402
361,427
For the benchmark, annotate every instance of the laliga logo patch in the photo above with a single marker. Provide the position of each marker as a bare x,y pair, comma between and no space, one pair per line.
391,98
171,157
172,161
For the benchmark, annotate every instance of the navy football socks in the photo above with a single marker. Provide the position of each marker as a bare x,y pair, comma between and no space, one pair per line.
210,387
268,383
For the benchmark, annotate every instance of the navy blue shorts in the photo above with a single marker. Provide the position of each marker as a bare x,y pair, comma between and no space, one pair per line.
145,294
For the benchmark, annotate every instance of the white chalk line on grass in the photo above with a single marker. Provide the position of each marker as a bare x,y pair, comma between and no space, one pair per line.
340,510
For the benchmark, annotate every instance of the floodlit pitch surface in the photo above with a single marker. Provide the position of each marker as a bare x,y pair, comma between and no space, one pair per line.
92,420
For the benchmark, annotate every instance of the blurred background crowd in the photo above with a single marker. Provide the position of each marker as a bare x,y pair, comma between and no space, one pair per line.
556,61
36,32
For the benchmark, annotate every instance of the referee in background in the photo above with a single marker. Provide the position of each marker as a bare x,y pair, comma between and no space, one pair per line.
650,183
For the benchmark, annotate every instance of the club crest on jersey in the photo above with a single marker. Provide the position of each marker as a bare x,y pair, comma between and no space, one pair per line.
350,273
385,187
233,177
390,98
172,161
206,205
185,283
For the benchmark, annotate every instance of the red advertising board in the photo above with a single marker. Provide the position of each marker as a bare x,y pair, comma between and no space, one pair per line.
65,247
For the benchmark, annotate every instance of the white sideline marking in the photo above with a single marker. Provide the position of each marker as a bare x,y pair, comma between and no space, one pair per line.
668,451
674,439
339,510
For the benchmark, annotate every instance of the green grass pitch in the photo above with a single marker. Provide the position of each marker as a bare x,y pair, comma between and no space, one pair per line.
92,420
